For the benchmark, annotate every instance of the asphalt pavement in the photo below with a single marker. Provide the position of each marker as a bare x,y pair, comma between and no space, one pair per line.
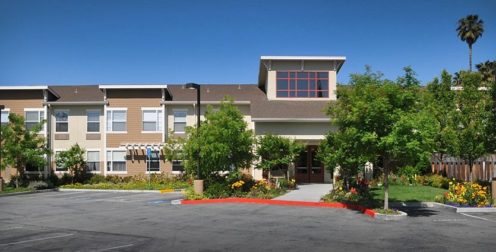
103,221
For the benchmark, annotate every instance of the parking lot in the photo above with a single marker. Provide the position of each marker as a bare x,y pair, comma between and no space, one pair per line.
107,221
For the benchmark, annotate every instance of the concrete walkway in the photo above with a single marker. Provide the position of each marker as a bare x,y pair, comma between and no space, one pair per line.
307,192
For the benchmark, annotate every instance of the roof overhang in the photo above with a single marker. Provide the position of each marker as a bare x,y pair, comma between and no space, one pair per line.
152,86
291,119
78,103
23,87
266,64
313,58
203,102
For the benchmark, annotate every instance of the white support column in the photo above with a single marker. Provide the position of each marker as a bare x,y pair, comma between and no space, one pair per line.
105,132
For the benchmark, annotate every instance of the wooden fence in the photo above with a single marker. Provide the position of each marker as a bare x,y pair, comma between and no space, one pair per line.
483,170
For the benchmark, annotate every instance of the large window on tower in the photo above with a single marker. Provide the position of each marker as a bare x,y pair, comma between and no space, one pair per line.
302,84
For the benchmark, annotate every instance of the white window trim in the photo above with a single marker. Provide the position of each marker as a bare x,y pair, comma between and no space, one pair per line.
111,131
8,113
159,166
43,130
99,121
106,168
174,120
177,172
55,120
155,109
99,158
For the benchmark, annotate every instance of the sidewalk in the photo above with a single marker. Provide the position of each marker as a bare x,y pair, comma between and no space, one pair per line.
307,192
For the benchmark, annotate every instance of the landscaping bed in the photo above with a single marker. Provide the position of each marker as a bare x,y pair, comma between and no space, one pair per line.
137,182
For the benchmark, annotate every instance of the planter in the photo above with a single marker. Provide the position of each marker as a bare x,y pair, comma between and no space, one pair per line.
400,216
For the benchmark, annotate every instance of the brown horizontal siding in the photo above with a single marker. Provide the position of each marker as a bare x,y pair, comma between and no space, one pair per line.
133,100
18,100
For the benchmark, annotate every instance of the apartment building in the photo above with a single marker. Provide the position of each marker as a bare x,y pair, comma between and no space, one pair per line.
115,124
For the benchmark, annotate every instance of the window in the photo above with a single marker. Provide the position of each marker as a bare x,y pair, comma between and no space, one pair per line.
93,121
180,121
302,84
61,121
152,120
154,165
116,120
5,116
34,168
58,167
116,161
93,160
33,117
177,166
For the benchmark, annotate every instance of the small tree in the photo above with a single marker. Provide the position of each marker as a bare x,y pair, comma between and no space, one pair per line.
344,149
22,146
173,148
472,119
440,103
74,160
224,142
276,152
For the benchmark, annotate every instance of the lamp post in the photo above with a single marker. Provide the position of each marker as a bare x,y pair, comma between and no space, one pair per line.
198,183
2,107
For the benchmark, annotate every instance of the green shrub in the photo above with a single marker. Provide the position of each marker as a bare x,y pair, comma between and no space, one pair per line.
217,190
96,179
438,181
287,184
38,185
113,179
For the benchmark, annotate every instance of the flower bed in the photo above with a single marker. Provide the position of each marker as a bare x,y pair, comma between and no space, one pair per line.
467,194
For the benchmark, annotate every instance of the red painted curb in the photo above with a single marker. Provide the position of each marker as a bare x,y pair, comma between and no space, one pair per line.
362,209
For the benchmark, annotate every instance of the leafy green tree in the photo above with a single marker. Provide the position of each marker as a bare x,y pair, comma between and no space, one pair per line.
346,150
440,102
469,30
21,146
173,147
74,160
488,71
276,152
373,114
224,141
472,119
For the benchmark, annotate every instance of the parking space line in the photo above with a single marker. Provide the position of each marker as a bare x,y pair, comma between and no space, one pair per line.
39,239
477,217
117,247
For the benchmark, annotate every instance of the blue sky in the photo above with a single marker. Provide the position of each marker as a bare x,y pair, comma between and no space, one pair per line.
94,42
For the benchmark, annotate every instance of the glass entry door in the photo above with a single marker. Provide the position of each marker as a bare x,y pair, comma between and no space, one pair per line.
308,168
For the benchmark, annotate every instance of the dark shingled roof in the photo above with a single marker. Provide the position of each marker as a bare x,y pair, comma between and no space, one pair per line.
289,109
89,93
216,92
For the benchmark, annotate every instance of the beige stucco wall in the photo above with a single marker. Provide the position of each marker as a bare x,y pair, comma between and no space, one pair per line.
294,130
77,132
297,66
191,114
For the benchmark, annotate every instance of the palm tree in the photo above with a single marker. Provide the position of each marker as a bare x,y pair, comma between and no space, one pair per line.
469,30
487,70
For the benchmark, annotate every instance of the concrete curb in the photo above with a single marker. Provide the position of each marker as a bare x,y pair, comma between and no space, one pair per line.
391,217
113,190
28,192
450,208
359,208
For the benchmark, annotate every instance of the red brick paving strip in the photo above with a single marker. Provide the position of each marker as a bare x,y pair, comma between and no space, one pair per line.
359,208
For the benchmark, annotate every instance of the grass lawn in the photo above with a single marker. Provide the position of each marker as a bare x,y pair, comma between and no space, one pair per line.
9,189
408,193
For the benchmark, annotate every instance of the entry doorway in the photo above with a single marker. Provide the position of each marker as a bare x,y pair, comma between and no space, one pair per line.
308,168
